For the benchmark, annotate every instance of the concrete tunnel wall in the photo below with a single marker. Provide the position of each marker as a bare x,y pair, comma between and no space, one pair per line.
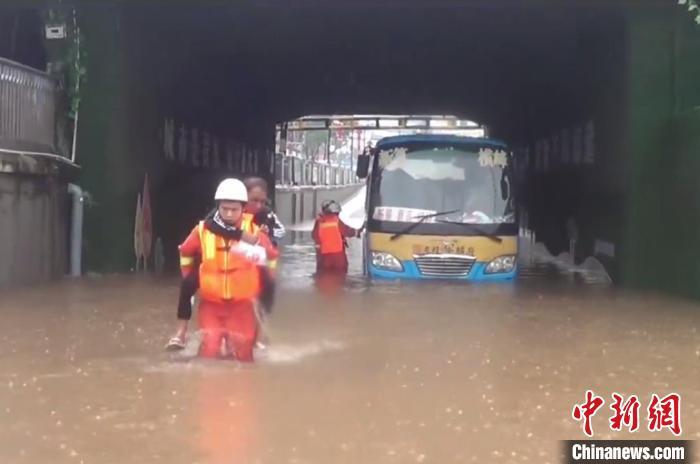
662,233
34,227
625,69
121,139
636,205
574,161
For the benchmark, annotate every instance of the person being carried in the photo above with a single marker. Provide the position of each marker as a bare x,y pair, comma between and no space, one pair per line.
263,216
229,275
259,206
256,212
329,234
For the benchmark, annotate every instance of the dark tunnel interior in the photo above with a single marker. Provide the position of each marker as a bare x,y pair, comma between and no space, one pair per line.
525,71
516,68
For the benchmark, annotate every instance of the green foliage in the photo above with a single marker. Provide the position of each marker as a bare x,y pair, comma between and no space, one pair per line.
75,72
70,57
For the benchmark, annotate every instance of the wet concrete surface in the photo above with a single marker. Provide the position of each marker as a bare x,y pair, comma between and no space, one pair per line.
355,373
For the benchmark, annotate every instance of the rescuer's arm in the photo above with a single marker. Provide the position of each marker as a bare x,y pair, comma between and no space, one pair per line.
348,231
314,233
265,242
190,248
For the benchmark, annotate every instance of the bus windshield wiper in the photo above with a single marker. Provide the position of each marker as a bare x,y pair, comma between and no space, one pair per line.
420,221
480,231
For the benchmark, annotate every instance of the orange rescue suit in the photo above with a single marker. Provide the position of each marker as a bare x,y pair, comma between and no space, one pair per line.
330,235
225,275
220,266
229,283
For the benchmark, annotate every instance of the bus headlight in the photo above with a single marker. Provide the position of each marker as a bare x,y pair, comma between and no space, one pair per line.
387,261
501,265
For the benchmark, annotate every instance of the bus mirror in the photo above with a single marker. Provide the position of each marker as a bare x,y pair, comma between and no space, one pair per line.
504,188
363,166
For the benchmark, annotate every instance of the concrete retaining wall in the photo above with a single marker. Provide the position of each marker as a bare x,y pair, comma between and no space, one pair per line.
34,208
295,205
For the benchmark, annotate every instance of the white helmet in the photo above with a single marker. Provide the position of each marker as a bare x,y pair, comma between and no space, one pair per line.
231,190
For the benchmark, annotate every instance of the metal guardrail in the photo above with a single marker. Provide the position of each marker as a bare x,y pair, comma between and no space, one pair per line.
28,99
295,171
373,122
292,170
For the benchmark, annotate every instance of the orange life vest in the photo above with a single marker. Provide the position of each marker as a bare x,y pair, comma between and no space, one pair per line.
225,275
330,235
247,224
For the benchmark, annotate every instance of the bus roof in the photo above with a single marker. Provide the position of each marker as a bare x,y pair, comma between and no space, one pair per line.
440,138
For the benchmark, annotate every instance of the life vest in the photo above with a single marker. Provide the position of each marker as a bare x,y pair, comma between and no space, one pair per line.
330,235
247,224
226,275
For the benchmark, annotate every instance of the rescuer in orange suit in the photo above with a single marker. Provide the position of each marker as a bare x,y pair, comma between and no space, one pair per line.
330,233
229,278
263,217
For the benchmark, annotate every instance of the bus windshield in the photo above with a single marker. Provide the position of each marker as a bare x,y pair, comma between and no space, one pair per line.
470,183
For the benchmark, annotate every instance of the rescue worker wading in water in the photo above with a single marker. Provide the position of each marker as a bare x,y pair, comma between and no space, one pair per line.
330,233
229,278
268,223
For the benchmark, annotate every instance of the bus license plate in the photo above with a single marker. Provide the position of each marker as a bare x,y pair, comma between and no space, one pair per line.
439,250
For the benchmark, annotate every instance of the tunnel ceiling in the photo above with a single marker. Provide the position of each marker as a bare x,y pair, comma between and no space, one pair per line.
500,63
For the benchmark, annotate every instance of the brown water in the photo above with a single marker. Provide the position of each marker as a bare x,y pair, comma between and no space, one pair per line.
390,373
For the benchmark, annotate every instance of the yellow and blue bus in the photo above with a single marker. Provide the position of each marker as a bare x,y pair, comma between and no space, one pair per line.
439,207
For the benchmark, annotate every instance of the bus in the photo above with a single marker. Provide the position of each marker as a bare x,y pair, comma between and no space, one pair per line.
439,207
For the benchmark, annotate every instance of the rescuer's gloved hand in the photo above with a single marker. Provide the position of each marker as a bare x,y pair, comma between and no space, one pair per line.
253,253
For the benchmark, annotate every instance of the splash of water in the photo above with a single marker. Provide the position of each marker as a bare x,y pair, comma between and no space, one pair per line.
289,354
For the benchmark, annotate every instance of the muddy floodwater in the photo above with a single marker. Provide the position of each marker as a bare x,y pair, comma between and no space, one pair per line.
355,373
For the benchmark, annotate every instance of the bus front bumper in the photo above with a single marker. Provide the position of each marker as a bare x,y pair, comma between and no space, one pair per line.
411,272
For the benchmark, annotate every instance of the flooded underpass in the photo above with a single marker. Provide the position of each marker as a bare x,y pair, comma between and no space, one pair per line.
389,373
119,119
